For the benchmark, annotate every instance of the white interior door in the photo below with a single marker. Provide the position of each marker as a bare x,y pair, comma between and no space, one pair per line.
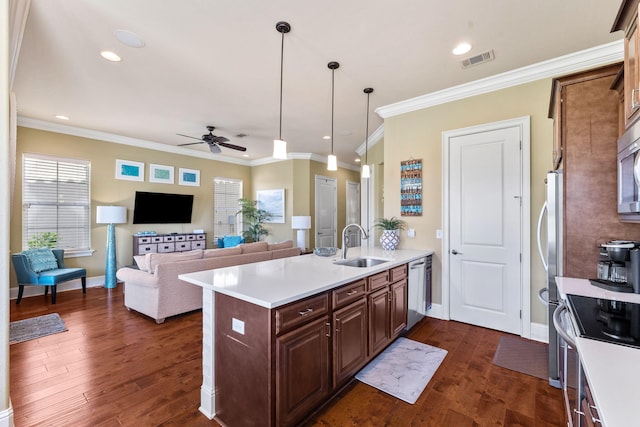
353,212
485,229
326,211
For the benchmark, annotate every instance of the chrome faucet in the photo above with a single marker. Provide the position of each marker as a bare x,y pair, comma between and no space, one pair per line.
345,239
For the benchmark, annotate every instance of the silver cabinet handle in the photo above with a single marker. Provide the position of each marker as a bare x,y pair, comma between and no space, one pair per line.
634,104
455,252
305,312
352,292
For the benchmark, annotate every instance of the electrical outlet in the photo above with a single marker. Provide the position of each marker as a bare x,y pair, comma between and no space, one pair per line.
237,325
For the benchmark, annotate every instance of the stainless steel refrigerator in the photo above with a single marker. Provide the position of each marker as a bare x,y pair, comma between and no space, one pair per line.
550,249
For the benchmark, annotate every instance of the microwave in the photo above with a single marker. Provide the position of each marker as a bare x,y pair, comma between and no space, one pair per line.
629,171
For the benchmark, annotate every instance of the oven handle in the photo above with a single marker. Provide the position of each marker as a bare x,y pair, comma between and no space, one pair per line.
557,323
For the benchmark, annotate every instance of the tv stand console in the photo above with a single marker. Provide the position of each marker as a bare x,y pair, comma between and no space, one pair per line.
165,243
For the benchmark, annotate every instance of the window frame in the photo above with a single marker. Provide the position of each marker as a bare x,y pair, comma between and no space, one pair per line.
238,218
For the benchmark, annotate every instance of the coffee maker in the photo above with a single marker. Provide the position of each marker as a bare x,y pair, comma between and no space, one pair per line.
619,266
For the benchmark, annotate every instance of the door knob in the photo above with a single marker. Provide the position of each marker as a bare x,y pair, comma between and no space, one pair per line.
455,252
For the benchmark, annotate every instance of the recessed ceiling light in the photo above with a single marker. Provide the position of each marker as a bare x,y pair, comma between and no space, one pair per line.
326,137
245,155
358,160
110,56
129,38
461,49
61,117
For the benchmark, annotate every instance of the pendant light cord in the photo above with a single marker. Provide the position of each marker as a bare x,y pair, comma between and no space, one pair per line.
281,80
333,71
366,136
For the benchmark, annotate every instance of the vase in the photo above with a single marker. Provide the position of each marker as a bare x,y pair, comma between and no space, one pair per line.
390,239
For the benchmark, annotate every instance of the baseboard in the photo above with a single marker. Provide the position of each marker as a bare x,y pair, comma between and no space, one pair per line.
436,311
6,416
71,285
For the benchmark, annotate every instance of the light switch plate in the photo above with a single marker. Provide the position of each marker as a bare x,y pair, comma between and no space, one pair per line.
237,325
411,232
438,234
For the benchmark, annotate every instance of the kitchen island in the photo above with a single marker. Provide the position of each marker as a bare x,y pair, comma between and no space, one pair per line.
611,370
277,330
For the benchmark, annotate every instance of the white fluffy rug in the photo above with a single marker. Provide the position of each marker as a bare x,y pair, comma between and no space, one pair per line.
403,369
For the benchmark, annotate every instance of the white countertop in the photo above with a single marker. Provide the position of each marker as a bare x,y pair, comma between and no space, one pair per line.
271,284
612,370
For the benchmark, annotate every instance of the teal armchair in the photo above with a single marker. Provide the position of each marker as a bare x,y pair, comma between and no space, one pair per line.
49,278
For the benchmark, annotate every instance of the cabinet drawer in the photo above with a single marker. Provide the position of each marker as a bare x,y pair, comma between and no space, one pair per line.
183,246
144,240
300,312
156,239
201,236
166,247
378,280
398,273
167,239
181,238
197,245
348,293
147,249
191,237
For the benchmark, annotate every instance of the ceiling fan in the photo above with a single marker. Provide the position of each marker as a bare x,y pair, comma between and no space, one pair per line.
215,142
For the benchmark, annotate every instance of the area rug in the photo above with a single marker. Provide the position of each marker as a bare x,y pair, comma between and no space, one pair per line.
524,356
403,369
35,327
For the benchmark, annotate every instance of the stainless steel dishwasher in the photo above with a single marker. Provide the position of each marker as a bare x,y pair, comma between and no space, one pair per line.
419,292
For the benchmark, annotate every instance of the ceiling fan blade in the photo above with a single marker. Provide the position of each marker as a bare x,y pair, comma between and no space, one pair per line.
233,147
187,136
190,143
214,148
220,139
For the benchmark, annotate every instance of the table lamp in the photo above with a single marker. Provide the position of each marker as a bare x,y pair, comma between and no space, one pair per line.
301,223
111,215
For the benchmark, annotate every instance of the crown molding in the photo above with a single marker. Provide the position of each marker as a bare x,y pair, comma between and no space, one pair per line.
119,139
375,137
585,59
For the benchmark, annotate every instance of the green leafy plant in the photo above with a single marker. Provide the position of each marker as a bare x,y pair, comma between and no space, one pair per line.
253,220
392,223
46,239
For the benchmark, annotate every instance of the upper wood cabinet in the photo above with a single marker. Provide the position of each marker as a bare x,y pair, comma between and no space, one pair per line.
627,21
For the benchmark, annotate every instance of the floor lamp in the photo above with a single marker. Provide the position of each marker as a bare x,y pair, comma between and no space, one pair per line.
111,215
302,224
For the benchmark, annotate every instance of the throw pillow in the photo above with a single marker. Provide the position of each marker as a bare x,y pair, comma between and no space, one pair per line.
141,262
281,245
231,241
41,259
249,248
160,258
213,253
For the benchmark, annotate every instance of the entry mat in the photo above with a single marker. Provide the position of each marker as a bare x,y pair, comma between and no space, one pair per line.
524,356
35,327
403,369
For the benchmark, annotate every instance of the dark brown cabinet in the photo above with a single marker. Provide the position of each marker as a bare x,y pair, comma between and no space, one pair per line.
398,307
302,366
379,320
349,340
627,21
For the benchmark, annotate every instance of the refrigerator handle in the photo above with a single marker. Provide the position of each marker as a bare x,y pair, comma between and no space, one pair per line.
542,213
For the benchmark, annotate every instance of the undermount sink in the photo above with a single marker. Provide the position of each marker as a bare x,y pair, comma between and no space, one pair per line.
361,262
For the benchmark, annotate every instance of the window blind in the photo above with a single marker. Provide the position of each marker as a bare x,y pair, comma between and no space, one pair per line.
56,198
226,195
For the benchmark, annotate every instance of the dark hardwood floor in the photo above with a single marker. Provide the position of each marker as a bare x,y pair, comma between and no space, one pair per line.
118,368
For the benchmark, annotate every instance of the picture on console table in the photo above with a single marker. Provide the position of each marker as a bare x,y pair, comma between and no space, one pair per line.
161,174
272,201
189,177
129,170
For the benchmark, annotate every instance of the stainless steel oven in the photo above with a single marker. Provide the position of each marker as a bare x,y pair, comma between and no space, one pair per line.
629,172
570,370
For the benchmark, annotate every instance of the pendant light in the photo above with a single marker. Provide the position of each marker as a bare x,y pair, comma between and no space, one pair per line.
280,145
332,161
365,168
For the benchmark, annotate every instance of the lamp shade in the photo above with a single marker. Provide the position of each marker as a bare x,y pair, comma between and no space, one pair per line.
111,215
332,163
301,222
279,149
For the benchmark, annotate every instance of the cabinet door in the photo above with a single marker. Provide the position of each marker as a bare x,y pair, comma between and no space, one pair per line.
398,307
379,324
349,340
302,370
632,97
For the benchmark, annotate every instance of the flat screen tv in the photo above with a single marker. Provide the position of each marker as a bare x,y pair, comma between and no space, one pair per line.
162,208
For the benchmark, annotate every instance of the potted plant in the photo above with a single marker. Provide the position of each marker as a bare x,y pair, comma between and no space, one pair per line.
46,239
390,237
253,219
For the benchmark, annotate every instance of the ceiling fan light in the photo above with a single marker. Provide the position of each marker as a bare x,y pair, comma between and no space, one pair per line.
332,163
279,149
365,171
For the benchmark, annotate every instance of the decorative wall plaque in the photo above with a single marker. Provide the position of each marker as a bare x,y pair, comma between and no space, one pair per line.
411,188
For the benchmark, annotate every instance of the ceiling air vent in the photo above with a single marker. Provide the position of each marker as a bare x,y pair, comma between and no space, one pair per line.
478,59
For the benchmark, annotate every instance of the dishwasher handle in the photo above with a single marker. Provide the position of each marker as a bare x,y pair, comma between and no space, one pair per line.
557,323
417,264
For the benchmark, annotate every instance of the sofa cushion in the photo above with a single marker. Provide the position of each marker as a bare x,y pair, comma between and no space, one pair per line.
141,262
249,248
281,245
41,259
159,258
211,253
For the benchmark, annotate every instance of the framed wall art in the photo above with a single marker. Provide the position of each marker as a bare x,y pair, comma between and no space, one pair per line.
411,188
161,174
272,201
129,170
189,177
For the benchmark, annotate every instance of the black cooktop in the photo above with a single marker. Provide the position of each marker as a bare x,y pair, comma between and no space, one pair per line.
607,320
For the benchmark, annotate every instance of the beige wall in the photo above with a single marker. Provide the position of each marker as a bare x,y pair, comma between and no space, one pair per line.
275,176
106,190
419,135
